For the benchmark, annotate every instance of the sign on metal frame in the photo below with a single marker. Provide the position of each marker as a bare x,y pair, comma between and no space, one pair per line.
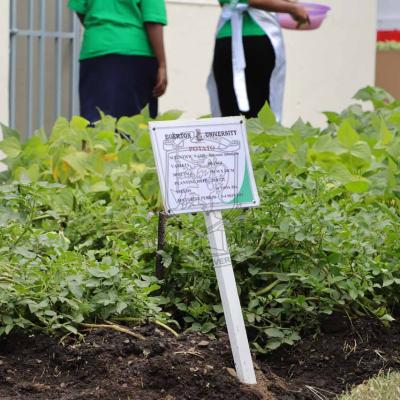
204,166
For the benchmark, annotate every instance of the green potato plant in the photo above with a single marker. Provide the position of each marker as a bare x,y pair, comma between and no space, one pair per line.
78,228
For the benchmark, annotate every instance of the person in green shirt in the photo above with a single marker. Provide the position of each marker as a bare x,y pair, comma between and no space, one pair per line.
122,60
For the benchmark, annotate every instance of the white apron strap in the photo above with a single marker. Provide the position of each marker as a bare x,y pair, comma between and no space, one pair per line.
234,14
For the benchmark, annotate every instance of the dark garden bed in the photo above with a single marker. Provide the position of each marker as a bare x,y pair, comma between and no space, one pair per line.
109,365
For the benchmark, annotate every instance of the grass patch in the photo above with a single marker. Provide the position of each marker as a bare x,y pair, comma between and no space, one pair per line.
386,386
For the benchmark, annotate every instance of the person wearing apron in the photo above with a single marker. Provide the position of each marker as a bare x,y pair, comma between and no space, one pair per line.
122,60
249,62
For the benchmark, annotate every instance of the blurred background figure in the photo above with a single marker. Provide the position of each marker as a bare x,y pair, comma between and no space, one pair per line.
122,60
249,63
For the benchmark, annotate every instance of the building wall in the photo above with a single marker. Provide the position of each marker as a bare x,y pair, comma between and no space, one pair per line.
4,54
325,67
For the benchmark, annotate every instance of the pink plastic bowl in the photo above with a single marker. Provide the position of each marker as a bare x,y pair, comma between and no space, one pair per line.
317,13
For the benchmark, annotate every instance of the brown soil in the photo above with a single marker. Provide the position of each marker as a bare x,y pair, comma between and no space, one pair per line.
340,357
110,365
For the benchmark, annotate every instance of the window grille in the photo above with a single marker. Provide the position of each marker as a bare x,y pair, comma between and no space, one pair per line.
44,53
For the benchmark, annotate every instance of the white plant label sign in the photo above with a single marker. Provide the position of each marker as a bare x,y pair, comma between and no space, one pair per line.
203,165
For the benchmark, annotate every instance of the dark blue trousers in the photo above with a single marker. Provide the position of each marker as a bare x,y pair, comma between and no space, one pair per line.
118,85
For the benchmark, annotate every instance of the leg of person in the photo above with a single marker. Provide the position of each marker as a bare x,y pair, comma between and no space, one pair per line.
118,85
223,75
88,85
143,70
132,82
98,88
260,63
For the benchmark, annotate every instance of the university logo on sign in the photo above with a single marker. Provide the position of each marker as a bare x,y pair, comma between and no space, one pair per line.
203,165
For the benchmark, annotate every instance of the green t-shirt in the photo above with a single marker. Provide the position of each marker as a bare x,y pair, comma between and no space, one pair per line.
117,26
250,27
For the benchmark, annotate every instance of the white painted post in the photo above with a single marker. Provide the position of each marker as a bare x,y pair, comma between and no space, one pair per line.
230,298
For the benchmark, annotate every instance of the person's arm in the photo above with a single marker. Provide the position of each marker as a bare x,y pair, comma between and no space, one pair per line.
155,35
296,10
81,17
80,7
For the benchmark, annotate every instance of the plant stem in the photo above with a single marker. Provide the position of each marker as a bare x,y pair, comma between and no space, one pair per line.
166,327
115,327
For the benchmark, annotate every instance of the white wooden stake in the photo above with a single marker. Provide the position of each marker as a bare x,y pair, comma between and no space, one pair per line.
230,298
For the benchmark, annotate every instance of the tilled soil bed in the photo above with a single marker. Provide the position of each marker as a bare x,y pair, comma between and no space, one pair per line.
110,365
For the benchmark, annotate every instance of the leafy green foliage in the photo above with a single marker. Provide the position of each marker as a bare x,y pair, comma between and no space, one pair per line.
48,282
309,249
78,227
74,206
92,159
359,149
